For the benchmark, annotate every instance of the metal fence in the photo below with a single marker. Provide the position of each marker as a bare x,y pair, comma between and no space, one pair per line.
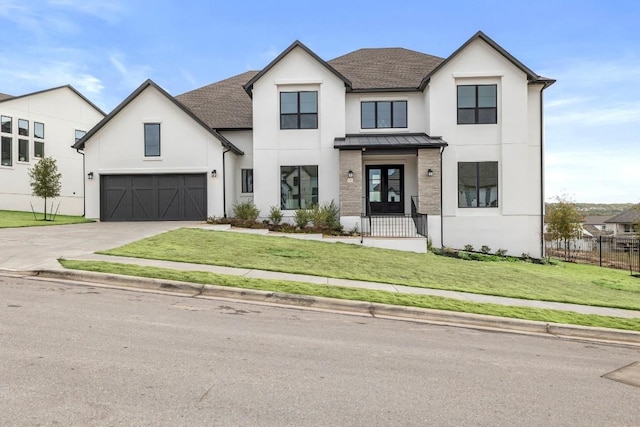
605,251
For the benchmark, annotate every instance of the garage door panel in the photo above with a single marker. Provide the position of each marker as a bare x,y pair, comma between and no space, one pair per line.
153,197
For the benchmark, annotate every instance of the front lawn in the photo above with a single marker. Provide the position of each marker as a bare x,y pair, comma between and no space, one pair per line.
571,283
383,297
11,219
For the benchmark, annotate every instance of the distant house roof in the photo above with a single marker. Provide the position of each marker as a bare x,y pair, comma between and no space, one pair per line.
596,219
629,216
222,105
381,141
149,83
5,98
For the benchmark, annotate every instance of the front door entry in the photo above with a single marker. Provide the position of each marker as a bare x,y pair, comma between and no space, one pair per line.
385,189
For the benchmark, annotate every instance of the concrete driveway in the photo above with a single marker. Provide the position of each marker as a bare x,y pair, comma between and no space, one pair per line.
33,248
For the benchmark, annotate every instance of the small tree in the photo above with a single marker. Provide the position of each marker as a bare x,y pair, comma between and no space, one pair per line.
45,180
563,222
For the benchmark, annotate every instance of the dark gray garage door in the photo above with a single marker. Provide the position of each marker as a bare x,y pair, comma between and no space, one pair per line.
169,197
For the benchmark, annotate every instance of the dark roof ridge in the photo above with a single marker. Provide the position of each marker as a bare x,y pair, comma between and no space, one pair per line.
68,86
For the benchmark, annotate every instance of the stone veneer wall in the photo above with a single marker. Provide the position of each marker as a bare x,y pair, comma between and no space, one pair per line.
351,192
429,189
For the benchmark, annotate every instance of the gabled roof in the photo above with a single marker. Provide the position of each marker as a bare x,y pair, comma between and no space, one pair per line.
394,140
4,96
249,86
11,98
222,105
531,76
149,83
383,69
630,216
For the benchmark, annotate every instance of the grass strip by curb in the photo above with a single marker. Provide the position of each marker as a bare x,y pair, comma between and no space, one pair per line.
383,297
18,219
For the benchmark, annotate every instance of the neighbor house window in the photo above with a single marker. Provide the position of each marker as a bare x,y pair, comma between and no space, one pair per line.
383,114
477,104
152,139
298,110
628,228
298,187
477,184
80,134
38,130
23,127
23,150
6,124
38,149
247,180
5,158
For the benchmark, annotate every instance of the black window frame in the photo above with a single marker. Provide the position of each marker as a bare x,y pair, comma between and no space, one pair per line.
246,177
79,134
6,141
38,149
298,196
23,131
299,115
478,186
35,130
147,142
3,121
23,148
477,109
375,117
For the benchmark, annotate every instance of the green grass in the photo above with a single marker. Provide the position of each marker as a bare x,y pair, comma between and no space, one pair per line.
11,219
571,283
422,301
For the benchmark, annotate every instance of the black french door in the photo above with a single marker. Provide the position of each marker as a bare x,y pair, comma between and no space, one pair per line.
385,189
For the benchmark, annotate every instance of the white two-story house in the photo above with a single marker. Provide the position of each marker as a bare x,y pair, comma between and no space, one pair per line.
384,132
35,125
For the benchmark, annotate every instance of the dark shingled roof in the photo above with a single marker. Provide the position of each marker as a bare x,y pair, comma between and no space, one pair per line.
629,216
407,140
385,68
4,96
222,105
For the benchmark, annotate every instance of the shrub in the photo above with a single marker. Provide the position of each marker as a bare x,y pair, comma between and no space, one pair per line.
468,248
501,252
326,215
246,211
301,217
485,249
275,215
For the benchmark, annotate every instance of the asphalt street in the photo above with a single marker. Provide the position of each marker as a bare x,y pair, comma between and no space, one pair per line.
82,355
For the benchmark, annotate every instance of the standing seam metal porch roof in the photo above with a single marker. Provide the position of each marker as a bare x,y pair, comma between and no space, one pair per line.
403,140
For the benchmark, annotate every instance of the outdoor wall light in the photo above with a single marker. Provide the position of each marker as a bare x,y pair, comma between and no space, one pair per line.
350,174
430,172
90,175
214,173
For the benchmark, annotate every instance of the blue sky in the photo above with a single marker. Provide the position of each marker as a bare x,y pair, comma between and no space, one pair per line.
106,48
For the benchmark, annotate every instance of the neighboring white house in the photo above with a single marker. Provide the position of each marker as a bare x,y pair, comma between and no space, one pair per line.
624,224
382,132
45,123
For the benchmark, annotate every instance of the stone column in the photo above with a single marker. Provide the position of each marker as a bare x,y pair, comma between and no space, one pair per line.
350,188
429,190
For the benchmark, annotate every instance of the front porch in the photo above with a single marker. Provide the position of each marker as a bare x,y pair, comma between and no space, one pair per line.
390,185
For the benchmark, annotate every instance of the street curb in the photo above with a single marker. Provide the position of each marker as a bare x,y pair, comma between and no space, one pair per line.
476,321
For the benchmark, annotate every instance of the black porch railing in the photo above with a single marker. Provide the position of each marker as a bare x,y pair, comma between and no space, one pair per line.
394,225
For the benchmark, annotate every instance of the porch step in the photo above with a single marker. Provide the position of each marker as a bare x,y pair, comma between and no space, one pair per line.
389,226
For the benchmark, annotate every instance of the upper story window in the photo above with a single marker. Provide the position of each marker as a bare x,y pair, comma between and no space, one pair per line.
477,184
477,104
299,110
23,127
38,130
383,114
152,139
80,134
6,124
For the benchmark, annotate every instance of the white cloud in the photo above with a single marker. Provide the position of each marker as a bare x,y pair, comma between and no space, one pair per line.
131,75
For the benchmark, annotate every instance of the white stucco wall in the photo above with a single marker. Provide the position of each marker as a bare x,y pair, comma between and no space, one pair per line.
415,111
186,147
514,142
243,139
274,147
62,112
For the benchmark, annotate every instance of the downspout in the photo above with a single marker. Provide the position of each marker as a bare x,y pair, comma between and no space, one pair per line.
542,171
84,186
224,183
441,212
